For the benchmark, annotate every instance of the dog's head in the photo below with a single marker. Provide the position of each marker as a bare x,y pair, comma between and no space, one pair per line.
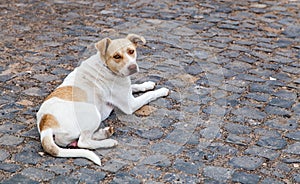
120,55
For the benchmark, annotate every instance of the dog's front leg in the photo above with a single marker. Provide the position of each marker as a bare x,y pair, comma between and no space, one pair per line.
142,87
134,103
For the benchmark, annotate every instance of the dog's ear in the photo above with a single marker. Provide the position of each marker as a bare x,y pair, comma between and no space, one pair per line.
136,38
102,45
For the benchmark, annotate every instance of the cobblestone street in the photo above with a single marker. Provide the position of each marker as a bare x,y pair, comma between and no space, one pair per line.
233,68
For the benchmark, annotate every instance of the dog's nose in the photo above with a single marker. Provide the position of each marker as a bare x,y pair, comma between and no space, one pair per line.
132,68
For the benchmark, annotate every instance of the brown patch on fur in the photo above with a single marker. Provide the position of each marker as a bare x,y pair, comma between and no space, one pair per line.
69,93
48,121
49,146
116,66
109,132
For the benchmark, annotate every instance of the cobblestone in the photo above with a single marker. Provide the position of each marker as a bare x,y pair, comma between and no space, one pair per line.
232,67
217,173
272,142
242,177
246,162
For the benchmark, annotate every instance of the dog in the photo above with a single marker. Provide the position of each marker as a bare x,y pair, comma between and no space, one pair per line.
72,113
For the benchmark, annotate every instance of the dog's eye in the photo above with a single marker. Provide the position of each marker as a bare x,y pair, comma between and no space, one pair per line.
117,56
130,51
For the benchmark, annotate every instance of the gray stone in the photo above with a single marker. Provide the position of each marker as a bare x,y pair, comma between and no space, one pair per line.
10,140
250,113
285,94
271,180
113,166
124,177
281,103
219,174
275,83
11,128
215,110
180,178
59,169
145,172
296,108
296,177
152,134
258,97
277,111
232,88
291,135
246,162
245,178
3,155
5,78
261,88
18,178
81,162
239,67
38,174
292,31
283,76
282,124
262,152
237,128
267,132
156,160
45,77
88,175
222,149
28,155
180,136
293,148
166,147
183,31
196,154
292,70
290,160
211,132
34,91
64,180
187,167
12,168
131,154
251,78
234,139
201,54
217,45
228,26
271,142
193,69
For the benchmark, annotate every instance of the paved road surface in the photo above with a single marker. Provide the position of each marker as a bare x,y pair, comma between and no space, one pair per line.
232,66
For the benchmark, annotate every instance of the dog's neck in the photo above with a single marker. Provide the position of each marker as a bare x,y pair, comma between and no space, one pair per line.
95,63
103,62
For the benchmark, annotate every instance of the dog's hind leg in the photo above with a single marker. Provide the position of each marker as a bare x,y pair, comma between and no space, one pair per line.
86,141
103,133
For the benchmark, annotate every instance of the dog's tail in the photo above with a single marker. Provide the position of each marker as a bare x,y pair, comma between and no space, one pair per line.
50,147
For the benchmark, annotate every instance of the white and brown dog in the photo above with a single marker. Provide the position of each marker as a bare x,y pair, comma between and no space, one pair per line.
73,112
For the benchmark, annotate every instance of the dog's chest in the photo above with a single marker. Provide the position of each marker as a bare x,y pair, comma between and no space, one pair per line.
105,110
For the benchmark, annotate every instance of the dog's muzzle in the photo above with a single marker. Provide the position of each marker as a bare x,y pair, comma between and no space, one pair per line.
132,69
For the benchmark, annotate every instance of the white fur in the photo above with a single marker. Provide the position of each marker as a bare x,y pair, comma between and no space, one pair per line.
104,90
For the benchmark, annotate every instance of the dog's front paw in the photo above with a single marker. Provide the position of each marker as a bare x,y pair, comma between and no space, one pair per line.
163,92
148,85
113,142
